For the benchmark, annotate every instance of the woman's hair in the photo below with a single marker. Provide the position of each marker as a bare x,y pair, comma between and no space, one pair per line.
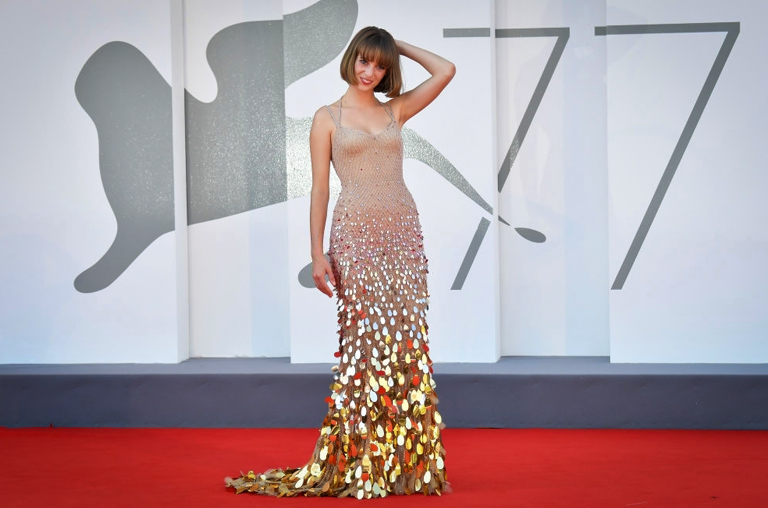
375,45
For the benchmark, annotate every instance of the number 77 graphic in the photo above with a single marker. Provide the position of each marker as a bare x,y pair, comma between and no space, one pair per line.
732,32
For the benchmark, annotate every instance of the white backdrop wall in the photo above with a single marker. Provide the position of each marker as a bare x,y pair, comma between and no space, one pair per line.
698,288
142,136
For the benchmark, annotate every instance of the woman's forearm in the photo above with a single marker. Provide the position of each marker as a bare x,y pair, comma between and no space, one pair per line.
434,64
318,211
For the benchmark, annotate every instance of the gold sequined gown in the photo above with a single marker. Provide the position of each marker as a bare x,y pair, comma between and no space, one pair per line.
381,435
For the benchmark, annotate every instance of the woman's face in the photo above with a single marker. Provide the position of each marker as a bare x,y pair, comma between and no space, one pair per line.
368,74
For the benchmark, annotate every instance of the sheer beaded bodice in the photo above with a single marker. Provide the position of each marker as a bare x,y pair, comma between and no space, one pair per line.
370,167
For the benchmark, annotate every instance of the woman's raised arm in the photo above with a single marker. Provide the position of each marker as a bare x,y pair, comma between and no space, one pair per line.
442,71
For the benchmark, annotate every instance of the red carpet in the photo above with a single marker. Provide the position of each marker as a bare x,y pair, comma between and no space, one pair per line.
487,467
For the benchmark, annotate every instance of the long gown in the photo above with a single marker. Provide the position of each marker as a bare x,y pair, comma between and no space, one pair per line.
381,434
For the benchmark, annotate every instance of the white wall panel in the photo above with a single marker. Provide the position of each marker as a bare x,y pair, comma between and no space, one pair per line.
55,219
698,288
553,293
238,293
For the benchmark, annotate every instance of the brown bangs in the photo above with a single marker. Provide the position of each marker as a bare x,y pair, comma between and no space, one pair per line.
375,45
378,53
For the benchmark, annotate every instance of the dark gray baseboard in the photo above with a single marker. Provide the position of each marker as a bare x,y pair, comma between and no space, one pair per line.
516,392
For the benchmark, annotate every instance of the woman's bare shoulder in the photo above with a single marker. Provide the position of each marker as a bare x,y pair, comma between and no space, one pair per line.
323,119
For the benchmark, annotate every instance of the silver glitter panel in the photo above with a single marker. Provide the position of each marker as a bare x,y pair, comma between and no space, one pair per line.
316,35
236,143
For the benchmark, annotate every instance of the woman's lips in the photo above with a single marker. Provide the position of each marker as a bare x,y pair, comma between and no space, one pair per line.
366,81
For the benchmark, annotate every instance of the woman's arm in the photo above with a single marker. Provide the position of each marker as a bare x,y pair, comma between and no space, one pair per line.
413,101
320,150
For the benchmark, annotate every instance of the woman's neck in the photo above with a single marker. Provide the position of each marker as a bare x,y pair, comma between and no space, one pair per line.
355,97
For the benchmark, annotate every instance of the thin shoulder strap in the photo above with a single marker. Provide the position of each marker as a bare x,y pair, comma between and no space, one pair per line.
332,116
388,108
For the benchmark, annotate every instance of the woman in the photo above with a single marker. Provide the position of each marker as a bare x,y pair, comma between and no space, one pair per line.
382,432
